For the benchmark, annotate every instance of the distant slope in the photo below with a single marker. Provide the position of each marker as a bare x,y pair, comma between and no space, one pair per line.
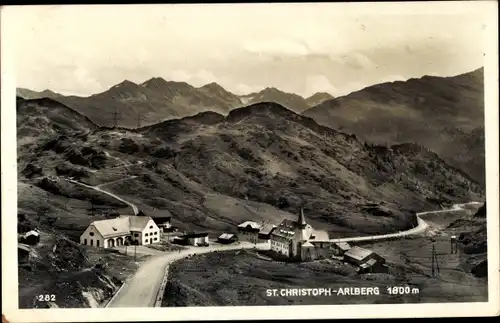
290,101
444,114
133,105
38,118
318,98
30,94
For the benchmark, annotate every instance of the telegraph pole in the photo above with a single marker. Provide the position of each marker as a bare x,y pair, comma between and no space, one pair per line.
116,114
453,245
435,263
139,119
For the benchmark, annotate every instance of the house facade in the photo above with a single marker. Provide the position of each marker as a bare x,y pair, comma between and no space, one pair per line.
193,239
119,231
249,231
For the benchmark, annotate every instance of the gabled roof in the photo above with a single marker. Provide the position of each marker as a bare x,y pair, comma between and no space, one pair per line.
138,223
112,227
319,235
121,225
342,245
226,236
251,224
358,253
32,233
267,228
307,244
369,263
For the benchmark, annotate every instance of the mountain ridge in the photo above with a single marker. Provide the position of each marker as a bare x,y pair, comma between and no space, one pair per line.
445,115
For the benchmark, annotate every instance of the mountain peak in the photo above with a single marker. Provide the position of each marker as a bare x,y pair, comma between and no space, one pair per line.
154,82
126,84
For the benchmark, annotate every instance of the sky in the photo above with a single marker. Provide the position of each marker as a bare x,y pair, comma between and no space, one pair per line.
301,48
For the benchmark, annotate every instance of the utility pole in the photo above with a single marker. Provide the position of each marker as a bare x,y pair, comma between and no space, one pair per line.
135,258
453,245
139,119
116,114
435,263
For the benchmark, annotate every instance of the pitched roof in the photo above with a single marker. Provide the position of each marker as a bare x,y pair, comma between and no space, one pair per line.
358,253
267,228
343,245
138,223
319,235
226,236
307,244
112,227
369,263
252,224
286,229
121,225
32,232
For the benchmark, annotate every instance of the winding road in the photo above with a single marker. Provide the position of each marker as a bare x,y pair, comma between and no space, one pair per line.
142,289
134,207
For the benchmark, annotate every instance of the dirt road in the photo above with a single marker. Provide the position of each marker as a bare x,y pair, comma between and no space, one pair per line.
142,289
134,207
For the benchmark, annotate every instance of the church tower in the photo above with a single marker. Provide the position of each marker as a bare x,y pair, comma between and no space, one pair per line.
302,220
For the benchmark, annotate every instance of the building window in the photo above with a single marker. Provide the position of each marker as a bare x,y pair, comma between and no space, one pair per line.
146,241
136,235
91,242
97,243
156,232
146,235
151,227
91,234
156,239
85,241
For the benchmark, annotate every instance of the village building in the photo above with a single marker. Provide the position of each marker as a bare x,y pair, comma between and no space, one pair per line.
249,231
23,252
139,230
366,260
264,234
31,237
193,239
227,238
340,248
289,237
163,223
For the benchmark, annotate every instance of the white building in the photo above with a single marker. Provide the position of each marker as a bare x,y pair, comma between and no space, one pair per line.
115,232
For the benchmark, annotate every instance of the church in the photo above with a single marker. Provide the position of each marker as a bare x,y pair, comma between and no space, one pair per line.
295,239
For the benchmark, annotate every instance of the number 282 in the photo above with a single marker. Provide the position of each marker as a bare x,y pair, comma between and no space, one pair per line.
46,298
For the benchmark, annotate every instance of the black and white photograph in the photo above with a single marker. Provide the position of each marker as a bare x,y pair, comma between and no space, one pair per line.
268,156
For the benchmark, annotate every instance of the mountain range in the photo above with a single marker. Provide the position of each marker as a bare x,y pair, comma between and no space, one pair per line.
132,105
443,114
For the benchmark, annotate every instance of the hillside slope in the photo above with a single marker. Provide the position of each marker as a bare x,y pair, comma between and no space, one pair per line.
264,160
444,114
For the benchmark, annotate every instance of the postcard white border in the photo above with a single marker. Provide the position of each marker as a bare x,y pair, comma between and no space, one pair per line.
9,197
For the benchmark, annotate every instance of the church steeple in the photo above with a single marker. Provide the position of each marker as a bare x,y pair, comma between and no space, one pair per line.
302,220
